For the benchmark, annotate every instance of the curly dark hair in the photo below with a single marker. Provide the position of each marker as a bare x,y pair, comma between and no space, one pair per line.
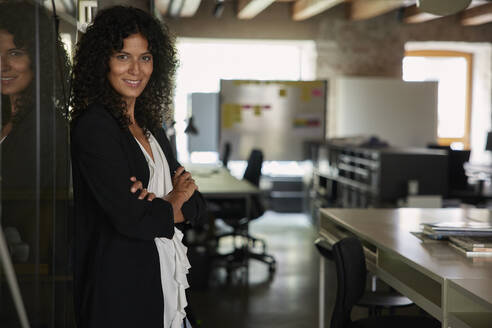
91,66
18,19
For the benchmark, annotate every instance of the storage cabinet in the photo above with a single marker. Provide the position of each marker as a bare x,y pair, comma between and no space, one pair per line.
351,176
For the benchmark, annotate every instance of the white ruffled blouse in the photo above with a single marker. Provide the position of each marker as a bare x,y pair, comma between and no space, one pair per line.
172,253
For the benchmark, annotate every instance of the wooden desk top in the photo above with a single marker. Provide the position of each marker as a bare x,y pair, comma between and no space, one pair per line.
389,230
214,181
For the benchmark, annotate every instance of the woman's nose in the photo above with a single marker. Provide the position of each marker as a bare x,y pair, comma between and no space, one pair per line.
134,67
4,64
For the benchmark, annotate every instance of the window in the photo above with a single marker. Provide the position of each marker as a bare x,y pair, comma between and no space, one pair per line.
453,71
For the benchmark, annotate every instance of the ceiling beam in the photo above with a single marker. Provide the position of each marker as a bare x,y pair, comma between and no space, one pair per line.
162,6
477,15
365,9
189,8
413,15
248,9
304,9
177,8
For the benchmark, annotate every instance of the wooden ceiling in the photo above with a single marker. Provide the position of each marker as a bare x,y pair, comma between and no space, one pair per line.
479,12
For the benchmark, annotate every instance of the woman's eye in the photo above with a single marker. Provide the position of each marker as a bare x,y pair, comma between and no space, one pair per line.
16,53
122,57
147,58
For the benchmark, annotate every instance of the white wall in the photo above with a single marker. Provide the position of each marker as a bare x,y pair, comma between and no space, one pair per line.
401,113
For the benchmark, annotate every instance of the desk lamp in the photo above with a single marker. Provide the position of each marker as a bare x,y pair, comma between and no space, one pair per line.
488,145
191,129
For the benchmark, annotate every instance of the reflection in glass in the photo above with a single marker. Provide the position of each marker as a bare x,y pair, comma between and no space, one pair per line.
34,164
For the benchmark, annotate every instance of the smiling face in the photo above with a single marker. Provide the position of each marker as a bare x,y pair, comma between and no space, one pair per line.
16,73
131,67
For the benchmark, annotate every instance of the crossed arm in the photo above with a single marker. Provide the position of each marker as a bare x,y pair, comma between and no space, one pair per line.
183,188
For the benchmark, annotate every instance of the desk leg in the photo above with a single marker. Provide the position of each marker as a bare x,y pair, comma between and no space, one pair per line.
444,303
248,215
322,274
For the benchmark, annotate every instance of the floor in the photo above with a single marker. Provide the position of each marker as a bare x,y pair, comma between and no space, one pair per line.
288,299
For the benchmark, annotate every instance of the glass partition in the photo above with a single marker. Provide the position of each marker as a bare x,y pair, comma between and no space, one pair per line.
35,271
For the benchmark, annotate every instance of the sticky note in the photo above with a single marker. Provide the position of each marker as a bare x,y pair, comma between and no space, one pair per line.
257,110
227,119
317,92
236,113
306,94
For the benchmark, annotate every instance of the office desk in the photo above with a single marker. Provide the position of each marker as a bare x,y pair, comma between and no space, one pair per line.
215,182
451,287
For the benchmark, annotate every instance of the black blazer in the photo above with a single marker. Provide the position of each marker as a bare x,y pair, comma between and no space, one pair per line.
116,264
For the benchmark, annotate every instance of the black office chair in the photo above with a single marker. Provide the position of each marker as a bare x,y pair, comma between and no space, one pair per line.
350,264
234,214
374,301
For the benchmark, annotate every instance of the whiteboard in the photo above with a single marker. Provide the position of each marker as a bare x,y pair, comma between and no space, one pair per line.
401,113
277,117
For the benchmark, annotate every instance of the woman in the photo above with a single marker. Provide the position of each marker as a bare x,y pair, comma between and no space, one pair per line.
130,264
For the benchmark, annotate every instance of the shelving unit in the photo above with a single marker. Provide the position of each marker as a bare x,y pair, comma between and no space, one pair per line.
357,177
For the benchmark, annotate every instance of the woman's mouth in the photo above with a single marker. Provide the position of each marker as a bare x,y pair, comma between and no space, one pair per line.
133,83
6,80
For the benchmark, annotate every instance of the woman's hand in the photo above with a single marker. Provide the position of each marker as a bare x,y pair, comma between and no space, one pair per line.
184,183
176,199
137,185
183,188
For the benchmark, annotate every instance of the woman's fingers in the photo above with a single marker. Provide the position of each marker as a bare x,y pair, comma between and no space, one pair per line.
136,186
143,193
184,176
184,182
178,172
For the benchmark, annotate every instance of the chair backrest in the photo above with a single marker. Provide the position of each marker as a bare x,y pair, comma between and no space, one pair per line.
226,154
350,264
253,175
253,170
